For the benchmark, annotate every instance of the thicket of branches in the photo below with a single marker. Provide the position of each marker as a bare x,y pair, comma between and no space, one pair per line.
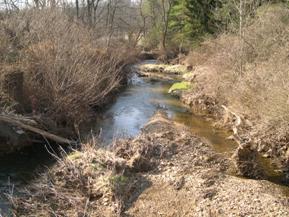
163,24
69,66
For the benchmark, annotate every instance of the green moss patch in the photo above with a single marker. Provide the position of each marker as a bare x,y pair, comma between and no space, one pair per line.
180,86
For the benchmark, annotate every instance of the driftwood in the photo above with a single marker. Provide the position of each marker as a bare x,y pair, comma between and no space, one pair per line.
237,123
43,133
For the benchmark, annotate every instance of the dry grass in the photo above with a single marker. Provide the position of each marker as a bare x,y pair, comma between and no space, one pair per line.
261,89
89,182
98,182
67,70
79,185
260,92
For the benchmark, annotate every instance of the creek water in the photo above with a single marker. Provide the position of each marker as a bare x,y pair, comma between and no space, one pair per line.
137,104
144,96
124,118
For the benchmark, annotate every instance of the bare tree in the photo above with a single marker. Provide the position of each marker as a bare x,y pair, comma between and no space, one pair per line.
95,4
11,5
77,8
241,33
166,10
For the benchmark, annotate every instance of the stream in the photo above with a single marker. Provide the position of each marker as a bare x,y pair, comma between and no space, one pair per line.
124,118
144,96
136,105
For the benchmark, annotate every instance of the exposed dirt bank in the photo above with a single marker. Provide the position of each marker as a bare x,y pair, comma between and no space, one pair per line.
165,171
151,69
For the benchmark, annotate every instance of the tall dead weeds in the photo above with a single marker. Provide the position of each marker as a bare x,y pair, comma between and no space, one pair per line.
261,91
258,93
67,70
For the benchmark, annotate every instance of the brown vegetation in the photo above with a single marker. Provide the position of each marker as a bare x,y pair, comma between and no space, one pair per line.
72,188
67,70
258,90
94,181
187,178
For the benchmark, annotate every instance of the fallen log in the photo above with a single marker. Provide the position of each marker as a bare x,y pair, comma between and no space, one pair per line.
43,133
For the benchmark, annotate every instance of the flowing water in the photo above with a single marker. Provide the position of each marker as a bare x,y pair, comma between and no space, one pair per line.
137,104
124,118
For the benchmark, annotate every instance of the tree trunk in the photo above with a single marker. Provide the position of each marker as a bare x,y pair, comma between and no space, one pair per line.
166,13
77,8
241,34
89,12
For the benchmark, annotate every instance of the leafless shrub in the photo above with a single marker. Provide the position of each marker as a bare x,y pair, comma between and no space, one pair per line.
67,70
